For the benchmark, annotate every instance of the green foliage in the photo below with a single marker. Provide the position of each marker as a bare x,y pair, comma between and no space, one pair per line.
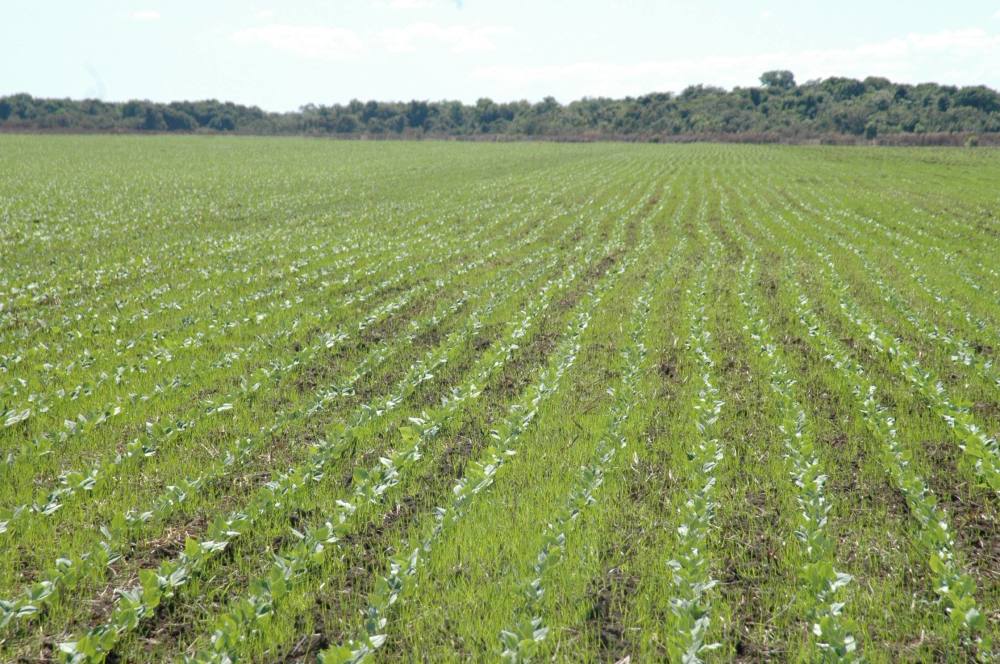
778,79
780,107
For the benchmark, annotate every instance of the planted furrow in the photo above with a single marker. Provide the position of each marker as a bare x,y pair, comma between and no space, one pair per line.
426,227
818,579
288,399
240,625
81,426
280,493
981,451
480,475
961,352
954,588
523,639
76,482
689,570
136,522
315,307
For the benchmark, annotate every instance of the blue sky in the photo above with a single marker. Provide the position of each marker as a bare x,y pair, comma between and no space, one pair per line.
281,55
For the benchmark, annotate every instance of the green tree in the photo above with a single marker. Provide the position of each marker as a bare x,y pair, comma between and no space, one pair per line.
417,113
979,97
176,120
223,122
779,79
152,119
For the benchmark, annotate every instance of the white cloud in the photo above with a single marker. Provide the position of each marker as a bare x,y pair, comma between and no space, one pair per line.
418,4
330,43
411,4
314,42
146,15
456,38
968,52
264,14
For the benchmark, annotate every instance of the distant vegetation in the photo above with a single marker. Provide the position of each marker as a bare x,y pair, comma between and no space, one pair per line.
779,109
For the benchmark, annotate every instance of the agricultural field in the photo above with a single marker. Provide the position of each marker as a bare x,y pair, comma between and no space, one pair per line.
291,400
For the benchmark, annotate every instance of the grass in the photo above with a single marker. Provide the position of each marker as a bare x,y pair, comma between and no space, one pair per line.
299,400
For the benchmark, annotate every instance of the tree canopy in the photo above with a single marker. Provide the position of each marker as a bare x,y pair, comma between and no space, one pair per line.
778,79
779,107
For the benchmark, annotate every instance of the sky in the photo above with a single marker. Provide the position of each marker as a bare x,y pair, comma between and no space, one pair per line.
280,55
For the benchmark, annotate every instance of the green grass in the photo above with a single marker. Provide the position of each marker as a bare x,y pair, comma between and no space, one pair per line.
288,400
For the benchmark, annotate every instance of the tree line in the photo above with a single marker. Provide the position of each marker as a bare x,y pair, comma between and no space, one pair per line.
779,108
